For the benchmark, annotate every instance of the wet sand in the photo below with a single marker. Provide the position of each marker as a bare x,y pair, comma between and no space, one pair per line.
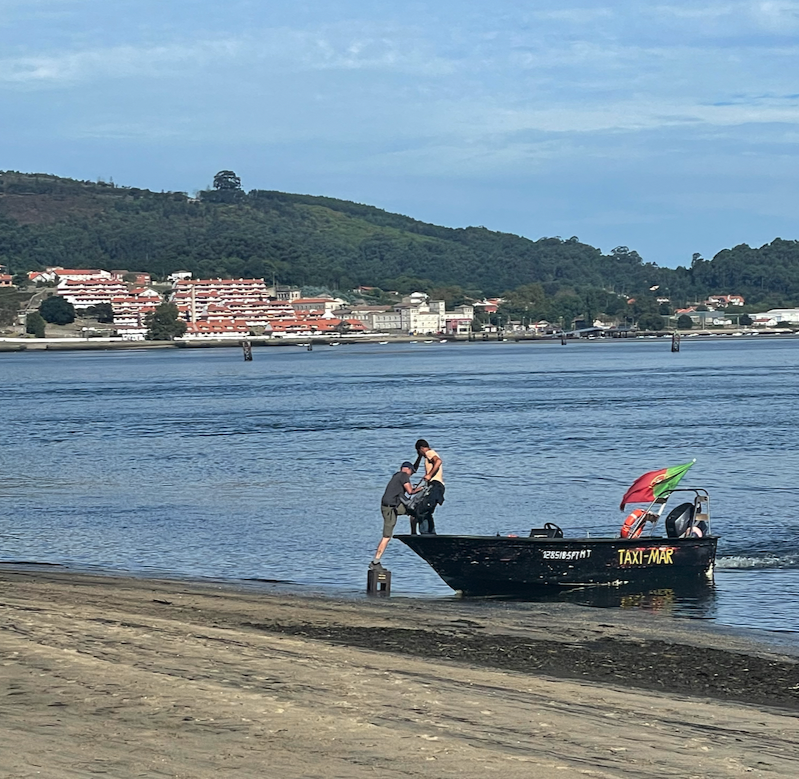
141,678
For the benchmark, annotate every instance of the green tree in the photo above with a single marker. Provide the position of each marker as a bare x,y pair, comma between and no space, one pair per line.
567,306
9,305
452,295
227,179
685,322
57,311
102,312
35,324
745,320
525,304
651,322
163,324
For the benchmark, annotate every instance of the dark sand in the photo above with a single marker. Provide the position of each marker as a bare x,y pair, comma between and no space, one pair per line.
138,678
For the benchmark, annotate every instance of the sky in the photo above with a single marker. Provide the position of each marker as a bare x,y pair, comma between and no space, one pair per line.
671,128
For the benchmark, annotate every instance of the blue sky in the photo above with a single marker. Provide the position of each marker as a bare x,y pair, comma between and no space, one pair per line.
670,127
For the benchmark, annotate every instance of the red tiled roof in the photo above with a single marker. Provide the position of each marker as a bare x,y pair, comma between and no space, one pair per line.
79,272
220,326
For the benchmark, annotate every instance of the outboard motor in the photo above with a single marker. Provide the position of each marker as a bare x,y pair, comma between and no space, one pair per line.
680,520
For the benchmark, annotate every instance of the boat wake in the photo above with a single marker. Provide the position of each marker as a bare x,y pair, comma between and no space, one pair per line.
754,562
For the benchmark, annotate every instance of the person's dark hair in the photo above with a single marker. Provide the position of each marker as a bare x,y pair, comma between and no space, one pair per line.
422,442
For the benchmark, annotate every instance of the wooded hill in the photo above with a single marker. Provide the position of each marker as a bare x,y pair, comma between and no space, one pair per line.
306,240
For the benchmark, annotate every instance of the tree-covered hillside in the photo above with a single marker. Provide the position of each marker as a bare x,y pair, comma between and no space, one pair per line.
768,275
307,240
300,239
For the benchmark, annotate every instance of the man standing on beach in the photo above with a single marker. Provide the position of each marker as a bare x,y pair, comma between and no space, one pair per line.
391,505
434,479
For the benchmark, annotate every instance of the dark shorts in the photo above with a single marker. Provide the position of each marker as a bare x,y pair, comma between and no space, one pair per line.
390,518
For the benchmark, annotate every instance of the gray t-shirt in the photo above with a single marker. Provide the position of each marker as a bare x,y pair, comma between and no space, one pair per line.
396,489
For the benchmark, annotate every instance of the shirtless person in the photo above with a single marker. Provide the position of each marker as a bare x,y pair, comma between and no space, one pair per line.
433,476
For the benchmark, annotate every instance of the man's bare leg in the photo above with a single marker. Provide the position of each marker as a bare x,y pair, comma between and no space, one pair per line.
381,547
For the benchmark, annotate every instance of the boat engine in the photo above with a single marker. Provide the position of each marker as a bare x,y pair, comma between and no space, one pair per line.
680,520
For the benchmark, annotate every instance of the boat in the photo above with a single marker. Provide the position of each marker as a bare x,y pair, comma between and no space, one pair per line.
547,560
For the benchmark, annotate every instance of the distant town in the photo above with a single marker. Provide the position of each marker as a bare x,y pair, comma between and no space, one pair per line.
235,309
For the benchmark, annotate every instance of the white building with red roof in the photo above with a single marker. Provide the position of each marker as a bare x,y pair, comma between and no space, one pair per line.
316,326
243,300
130,310
86,292
315,305
222,308
41,277
220,328
79,274
194,295
725,300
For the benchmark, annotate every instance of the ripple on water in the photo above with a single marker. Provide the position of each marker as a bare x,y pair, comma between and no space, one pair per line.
198,464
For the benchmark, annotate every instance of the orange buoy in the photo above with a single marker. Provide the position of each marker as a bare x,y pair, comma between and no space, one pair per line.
629,529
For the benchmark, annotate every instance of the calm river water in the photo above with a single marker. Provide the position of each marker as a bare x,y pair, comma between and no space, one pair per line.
194,463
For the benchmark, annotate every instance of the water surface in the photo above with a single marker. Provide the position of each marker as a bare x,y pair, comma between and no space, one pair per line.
195,463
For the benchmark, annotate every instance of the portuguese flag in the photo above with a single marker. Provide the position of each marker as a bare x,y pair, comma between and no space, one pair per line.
654,484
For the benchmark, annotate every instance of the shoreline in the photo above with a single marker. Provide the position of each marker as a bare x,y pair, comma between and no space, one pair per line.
785,642
501,619
158,677
19,344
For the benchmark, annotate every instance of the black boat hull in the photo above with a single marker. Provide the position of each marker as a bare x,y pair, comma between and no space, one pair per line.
501,565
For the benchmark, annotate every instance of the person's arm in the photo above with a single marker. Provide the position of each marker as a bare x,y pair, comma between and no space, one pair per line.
411,490
435,466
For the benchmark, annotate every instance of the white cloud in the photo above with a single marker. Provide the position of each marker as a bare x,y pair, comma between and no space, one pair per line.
355,47
343,47
779,17
115,62
134,131
575,15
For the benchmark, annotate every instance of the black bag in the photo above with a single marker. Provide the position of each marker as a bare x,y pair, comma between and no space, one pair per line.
425,501
415,504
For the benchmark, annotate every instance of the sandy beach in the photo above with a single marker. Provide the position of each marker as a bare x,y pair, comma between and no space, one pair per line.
142,678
